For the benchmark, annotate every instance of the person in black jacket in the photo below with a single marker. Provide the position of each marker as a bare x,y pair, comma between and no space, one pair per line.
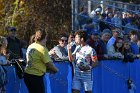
14,44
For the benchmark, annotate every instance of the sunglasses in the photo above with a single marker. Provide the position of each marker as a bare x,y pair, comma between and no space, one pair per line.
12,31
64,40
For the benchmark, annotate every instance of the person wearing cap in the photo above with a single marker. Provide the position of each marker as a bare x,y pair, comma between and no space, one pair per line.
60,50
14,44
97,15
96,19
105,36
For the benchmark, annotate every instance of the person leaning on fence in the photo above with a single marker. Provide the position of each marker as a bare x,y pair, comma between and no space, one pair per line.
126,51
3,61
105,36
134,39
115,50
115,34
38,62
95,42
84,58
60,50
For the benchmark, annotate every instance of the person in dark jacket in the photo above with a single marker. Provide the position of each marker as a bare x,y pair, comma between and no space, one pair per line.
14,44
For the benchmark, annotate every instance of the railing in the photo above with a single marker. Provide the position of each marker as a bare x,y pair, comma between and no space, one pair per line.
134,8
125,6
92,4
110,76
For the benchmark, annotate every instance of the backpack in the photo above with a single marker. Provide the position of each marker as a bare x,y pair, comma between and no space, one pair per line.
3,76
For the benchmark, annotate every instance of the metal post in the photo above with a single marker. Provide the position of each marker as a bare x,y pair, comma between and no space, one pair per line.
76,12
102,5
89,7
73,14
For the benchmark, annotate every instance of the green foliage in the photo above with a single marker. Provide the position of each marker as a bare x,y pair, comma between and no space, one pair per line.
52,15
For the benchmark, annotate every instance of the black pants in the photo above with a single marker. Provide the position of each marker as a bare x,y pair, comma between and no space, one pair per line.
34,83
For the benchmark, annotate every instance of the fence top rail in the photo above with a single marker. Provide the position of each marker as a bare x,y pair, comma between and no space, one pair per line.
119,2
98,2
109,23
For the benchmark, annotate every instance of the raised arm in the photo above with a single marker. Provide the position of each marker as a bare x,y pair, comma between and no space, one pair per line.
70,53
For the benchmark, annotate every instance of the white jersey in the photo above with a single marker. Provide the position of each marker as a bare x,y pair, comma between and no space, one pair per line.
83,56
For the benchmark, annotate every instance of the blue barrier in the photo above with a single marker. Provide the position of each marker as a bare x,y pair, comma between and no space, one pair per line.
61,81
15,85
110,76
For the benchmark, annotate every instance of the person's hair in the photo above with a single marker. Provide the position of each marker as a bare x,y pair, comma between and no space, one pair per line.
32,39
69,38
133,32
82,34
115,44
126,50
3,42
40,35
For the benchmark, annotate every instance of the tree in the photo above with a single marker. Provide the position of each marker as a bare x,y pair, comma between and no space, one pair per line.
52,15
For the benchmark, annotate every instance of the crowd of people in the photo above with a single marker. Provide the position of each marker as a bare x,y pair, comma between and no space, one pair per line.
112,34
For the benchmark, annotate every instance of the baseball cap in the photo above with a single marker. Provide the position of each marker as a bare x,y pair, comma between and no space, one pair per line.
98,10
12,29
62,37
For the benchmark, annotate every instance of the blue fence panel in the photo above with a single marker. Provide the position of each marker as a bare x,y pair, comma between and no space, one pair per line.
137,75
15,85
114,76
47,83
97,79
110,76
61,81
